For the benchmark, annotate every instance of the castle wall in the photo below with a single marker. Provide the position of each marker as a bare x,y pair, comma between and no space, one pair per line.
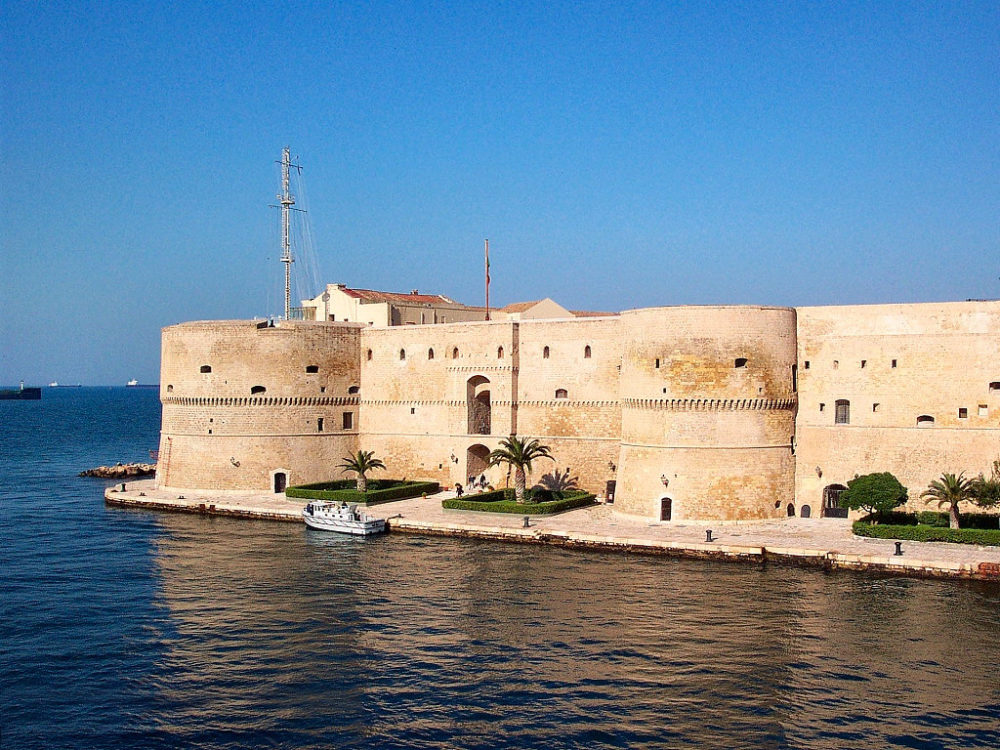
895,364
707,412
221,431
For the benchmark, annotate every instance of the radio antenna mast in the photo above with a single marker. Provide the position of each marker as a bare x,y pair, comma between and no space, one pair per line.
287,200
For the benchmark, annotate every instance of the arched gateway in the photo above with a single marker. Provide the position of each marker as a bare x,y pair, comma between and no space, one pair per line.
477,460
477,394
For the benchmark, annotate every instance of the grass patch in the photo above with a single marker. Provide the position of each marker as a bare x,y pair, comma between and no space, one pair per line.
379,491
537,502
923,533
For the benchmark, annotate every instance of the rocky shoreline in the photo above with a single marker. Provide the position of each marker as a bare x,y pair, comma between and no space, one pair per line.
121,471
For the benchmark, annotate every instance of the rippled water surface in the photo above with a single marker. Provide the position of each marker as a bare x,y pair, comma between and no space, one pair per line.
136,629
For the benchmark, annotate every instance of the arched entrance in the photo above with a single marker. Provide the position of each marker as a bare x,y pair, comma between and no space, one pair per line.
790,510
805,511
279,480
476,460
831,502
477,395
666,508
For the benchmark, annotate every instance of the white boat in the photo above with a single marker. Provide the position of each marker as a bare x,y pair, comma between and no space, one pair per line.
347,519
132,383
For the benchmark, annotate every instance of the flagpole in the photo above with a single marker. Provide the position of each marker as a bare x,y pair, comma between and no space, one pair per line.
487,279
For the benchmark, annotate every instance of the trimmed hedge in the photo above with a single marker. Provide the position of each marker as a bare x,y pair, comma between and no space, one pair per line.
380,491
940,520
927,533
502,501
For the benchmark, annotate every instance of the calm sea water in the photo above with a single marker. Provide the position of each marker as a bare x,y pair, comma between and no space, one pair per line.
132,629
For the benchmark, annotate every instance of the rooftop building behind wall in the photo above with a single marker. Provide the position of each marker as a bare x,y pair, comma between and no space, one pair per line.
339,302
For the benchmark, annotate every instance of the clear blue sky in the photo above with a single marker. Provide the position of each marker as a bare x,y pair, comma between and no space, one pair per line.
616,154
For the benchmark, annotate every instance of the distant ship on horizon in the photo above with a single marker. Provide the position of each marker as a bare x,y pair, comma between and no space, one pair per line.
56,384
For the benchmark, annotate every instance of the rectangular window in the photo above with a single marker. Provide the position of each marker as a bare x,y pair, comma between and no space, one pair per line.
319,424
894,363
348,420
984,410
843,413
822,407
963,413
875,407
805,365
864,363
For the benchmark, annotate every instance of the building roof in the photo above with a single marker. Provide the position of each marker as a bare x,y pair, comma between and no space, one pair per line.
371,295
515,307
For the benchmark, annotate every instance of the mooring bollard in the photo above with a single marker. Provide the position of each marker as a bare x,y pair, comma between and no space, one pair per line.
899,549
708,536
526,524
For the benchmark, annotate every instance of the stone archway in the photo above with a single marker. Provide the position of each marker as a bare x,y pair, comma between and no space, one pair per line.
477,396
831,502
476,460
279,480
666,508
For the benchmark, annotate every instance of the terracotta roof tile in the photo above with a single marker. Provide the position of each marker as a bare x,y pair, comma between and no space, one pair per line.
371,295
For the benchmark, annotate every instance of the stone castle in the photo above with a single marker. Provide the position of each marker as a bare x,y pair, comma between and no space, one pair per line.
677,413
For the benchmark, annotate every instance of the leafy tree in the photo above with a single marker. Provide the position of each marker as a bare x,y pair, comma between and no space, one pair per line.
950,490
875,493
361,464
518,454
986,492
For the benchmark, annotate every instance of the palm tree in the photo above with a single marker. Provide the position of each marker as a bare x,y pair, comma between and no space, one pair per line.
950,490
361,464
518,454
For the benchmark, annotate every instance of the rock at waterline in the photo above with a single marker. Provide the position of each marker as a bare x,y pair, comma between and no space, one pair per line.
120,471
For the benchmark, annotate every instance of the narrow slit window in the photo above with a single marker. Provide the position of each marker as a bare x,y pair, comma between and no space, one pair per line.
430,354
657,363
864,363
499,352
369,355
545,353
402,354
586,352
319,424
822,407
454,352
836,364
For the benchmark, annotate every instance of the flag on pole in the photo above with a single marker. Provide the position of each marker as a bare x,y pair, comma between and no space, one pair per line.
487,279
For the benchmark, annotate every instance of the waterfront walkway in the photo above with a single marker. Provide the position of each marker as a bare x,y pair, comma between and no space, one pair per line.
825,543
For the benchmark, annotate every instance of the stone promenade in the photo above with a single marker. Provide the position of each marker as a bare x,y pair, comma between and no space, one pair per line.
823,543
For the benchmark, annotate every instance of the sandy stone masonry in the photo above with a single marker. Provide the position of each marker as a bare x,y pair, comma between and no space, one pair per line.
685,413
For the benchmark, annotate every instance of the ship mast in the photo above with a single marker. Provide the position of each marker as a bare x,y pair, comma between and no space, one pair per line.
287,201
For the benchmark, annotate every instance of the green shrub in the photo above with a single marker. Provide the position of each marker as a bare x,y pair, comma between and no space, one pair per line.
936,519
379,491
928,533
502,501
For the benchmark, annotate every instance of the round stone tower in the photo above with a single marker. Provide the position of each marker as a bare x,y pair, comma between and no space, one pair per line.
708,413
249,405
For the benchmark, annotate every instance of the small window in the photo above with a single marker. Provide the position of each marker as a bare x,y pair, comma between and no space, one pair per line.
894,364
319,424
925,420
430,354
995,386
312,368
843,412
864,363
322,389
805,365
740,362
348,420
963,413
795,378
402,354
206,368
836,364
170,389
657,363
354,390
454,352
586,352
984,410
257,390
545,353
561,393
369,355
875,407
499,352
822,407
